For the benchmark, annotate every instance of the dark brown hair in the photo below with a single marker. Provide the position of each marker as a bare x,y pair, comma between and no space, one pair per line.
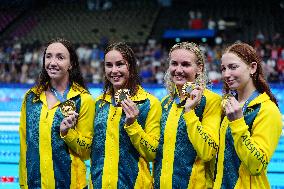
75,74
248,54
129,56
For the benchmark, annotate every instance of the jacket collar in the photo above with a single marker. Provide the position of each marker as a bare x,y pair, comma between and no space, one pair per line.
260,99
75,90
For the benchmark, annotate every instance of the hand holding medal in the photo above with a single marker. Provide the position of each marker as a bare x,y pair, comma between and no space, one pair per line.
121,95
225,100
122,98
231,106
187,88
194,93
68,109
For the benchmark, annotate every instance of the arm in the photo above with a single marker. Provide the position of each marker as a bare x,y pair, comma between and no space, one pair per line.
79,139
23,147
146,141
255,149
204,135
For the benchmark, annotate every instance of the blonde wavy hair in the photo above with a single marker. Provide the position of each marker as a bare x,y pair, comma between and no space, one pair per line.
200,60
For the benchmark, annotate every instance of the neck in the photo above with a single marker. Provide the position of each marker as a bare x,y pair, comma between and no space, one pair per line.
60,86
244,93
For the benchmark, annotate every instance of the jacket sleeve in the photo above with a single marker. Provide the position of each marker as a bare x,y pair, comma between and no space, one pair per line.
146,141
23,147
79,139
204,135
255,149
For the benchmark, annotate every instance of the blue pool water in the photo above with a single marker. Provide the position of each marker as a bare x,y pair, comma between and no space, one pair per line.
10,104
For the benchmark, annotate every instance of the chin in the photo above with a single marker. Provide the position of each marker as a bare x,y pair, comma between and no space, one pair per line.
179,83
117,86
232,87
52,76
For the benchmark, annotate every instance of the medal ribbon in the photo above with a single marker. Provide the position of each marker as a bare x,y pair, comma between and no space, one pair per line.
57,94
252,96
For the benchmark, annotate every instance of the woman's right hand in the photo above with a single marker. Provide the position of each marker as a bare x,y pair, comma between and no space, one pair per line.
193,99
68,122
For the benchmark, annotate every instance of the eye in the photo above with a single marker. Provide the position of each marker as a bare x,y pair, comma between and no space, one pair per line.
60,57
173,63
108,65
223,69
233,66
47,56
120,64
186,64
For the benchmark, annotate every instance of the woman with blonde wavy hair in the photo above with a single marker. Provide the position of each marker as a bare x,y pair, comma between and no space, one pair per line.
191,116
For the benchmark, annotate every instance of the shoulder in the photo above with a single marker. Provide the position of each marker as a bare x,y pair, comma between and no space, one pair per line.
78,88
87,97
270,107
210,95
166,98
212,98
153,99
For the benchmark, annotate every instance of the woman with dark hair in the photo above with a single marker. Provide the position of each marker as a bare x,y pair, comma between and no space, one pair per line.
58,108
126,126
191,116
252,126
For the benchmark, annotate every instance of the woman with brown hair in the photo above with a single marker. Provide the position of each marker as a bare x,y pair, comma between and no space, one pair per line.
252,126
56,109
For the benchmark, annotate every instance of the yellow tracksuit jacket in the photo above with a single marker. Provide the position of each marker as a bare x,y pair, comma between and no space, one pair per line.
120,154
45,160
247,145
188,140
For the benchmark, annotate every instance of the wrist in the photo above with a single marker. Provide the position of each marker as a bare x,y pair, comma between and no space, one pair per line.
63,132
187,109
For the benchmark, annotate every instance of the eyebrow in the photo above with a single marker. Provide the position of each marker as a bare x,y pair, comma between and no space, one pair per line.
49,53
181,62
119,61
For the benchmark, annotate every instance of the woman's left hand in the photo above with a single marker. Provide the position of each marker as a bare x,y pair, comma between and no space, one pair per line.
233,109
131,111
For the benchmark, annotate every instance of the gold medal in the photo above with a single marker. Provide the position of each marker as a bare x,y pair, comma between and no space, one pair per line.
121,95
225,99
200,81
187,88
67,106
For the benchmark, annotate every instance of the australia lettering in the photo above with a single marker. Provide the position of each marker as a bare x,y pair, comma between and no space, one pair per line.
207,139
259,155
83,143
147,145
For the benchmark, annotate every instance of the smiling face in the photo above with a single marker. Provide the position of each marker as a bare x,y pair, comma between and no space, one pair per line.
57,62
116,69
183,67
235,72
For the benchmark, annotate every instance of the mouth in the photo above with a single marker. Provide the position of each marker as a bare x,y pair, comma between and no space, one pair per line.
230,82
52,70
179,77
116,78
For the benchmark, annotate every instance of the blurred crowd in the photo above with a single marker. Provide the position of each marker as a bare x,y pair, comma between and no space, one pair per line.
21,63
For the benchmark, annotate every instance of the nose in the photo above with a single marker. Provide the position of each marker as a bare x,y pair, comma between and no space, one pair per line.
114,69
179,69
226,73
52,61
